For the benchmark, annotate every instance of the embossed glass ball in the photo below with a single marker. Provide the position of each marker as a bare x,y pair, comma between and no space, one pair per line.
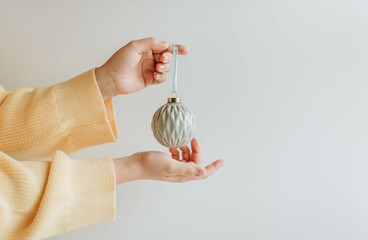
173,124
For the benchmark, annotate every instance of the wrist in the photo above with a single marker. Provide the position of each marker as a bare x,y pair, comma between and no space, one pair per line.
127,169
105,83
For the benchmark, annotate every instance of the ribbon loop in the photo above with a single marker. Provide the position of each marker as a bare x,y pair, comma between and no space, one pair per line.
175,68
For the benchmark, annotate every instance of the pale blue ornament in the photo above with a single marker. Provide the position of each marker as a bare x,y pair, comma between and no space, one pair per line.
173,124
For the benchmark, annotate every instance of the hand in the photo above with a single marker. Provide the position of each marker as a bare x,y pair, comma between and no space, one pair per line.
163,167
138,64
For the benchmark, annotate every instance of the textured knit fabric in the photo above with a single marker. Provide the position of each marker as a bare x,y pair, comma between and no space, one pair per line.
39,199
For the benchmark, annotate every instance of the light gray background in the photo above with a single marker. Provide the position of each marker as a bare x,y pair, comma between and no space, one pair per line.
279,89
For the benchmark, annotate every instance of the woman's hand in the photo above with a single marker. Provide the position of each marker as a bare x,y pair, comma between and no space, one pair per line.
138,64
163,167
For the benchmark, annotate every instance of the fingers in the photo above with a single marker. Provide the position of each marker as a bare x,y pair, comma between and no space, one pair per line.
163,57
151,43
158,77
196,151
210,169
195,156
186,171
183,50
163,67
185,153
156,46
175,153
213,167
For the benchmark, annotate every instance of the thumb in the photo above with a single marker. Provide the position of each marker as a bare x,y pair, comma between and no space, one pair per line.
189,169
151,43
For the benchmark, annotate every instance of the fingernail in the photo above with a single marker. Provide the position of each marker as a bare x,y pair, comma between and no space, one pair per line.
200,172
162,67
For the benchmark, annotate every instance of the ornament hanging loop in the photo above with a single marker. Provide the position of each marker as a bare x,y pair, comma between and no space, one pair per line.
175,49
174,94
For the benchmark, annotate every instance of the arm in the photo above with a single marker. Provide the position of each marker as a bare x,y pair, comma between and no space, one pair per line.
79,113
39,199
68,116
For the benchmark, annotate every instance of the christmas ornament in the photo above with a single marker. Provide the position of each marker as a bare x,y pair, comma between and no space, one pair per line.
173,124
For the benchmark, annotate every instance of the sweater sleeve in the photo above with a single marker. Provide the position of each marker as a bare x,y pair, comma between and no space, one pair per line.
39,199
67,116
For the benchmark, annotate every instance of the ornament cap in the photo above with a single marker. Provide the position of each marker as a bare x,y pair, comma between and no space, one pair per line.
172,100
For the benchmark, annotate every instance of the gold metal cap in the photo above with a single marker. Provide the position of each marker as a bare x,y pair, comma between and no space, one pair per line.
171,100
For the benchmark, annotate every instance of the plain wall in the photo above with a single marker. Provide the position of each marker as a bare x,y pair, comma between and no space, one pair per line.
279,89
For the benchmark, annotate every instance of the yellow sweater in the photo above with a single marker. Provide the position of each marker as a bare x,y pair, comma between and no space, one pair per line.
39,199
